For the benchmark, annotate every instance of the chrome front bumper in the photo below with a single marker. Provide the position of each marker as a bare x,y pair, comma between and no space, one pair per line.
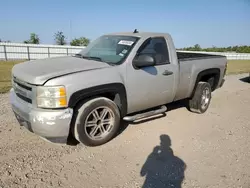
53,125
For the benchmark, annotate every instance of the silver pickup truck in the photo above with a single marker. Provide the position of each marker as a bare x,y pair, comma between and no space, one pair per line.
118,76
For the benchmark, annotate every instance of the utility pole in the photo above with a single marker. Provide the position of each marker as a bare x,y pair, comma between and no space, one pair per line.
70,28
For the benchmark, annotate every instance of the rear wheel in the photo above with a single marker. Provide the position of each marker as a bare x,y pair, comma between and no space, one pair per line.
201,99
97,122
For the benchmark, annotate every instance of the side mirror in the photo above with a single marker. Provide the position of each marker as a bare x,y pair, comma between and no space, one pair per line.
143,61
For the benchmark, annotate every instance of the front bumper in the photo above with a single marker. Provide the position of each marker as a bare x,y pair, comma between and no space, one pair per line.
53,125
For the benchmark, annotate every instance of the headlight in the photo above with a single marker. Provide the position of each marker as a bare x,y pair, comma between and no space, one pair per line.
51,97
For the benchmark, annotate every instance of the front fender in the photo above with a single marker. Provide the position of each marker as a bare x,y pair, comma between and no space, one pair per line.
87,84
117,89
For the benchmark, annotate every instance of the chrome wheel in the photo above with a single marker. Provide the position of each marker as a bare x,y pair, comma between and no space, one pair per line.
99,123
205,98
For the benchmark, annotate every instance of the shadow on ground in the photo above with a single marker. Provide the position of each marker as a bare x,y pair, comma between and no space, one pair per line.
245,79
163,169
177,105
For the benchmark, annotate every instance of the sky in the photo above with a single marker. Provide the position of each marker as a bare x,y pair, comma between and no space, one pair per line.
206,22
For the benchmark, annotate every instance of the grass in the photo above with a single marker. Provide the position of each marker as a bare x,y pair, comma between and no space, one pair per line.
5,75
238,66
234,67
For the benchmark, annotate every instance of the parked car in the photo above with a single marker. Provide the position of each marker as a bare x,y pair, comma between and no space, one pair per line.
118,76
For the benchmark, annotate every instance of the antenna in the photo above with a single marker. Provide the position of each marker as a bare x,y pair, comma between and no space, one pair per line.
135,31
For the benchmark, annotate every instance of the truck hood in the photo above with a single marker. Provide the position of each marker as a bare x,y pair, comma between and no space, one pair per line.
39,71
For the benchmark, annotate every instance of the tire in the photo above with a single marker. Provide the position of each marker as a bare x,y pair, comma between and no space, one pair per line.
89,120
199,104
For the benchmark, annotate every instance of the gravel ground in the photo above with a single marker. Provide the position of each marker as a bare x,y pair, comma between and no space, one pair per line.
208,150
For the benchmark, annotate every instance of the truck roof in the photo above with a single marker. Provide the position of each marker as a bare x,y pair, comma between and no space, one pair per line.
141,34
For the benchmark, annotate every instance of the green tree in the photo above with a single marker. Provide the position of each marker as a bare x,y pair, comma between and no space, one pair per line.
34,39
197,47
60,38
238,49
82,41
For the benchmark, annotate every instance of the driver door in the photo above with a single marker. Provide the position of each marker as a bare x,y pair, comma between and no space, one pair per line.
150,86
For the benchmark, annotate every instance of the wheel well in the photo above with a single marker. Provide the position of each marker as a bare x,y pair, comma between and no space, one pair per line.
211,76
115,92
110,95
212,79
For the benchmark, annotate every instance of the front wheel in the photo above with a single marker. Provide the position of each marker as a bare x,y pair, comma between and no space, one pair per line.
97,122
201,98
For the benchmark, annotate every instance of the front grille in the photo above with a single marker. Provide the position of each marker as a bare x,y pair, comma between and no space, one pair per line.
23,86
24,98
23,90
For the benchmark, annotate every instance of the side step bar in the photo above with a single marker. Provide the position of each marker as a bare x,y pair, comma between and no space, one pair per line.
161,110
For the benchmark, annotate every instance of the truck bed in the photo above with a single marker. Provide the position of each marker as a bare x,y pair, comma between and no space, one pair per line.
185,56
193,63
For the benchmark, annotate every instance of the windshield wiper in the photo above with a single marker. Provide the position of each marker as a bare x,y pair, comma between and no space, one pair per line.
93,58
89,57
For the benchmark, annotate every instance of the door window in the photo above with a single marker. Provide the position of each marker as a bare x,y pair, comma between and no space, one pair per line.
157,48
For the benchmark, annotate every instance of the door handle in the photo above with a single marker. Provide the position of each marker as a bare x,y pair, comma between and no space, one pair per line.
167,72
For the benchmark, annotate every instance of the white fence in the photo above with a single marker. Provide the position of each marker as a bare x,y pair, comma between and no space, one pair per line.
229,55
19,51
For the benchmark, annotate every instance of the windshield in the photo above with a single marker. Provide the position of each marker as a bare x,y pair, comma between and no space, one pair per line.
109,48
